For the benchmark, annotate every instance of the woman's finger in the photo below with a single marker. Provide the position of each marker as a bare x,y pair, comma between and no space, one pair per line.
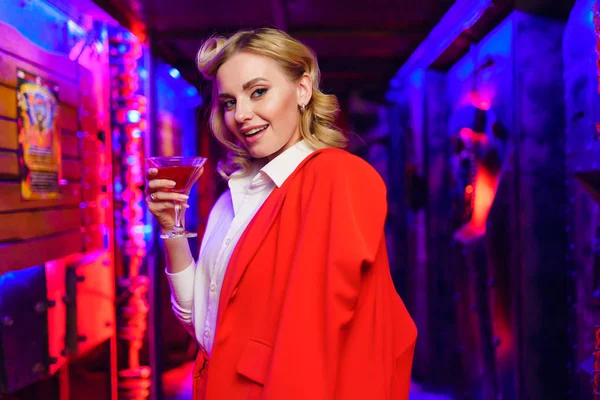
167,196
151,172
160,206
160,184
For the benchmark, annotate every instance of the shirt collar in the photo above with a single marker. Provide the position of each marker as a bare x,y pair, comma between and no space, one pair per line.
282,166
274,172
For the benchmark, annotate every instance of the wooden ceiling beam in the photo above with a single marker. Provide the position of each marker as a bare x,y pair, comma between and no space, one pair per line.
279,14
354,75
386,65
193,34
280,21
350,32
124,16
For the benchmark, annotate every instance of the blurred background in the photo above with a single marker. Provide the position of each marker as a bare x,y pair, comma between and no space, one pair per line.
482,116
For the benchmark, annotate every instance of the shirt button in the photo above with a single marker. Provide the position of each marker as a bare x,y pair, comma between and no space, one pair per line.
227,241
213,287
207,333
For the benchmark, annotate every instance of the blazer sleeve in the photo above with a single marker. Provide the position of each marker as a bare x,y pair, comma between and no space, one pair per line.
343,214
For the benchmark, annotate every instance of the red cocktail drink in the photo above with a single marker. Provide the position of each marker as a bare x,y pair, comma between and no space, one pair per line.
184,171
183,176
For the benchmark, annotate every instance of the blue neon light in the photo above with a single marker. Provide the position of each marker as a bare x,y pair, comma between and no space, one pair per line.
143,73
134,116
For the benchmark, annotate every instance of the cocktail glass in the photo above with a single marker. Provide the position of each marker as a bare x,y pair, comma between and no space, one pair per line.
184,171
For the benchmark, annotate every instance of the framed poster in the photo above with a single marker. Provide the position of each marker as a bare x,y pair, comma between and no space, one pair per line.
39,137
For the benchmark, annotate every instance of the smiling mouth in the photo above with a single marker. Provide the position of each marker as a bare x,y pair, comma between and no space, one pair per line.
255,131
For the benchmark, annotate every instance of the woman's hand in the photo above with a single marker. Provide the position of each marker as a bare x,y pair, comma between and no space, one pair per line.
161,200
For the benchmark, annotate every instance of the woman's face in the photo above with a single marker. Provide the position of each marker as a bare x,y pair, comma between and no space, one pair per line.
260,104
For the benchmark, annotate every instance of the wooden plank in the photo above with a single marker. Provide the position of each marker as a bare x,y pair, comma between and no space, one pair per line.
8,109
91,147
13,42
68,91
89,122
96,274
71,170
94,327
10,198
28,225
57,315
92,158
94,213
8,102
92,192
19,255
9,139
68,118
9,165
93,238
70,145
66,131
8,135
87,95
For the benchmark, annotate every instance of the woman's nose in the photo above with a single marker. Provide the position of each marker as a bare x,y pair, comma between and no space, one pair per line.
243,112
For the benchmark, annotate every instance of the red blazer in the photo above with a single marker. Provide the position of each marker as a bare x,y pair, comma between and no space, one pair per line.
308,309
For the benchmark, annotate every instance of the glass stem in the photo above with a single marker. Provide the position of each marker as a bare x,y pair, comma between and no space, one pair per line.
178,217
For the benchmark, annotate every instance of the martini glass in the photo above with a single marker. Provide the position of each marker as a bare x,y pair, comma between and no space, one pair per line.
184,171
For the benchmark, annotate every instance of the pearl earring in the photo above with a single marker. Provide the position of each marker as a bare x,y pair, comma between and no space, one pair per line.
302,107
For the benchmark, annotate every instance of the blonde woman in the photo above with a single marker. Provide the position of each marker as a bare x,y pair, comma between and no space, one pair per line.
291,296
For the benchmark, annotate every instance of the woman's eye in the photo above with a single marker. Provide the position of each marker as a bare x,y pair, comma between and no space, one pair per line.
228,105
259,92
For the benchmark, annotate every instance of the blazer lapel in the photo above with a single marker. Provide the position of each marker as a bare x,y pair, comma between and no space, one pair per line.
249,243
253,237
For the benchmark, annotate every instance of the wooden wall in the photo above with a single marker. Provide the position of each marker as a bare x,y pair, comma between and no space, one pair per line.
50,229
72,235
36,231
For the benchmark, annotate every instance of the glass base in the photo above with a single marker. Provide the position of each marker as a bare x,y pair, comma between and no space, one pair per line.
176,234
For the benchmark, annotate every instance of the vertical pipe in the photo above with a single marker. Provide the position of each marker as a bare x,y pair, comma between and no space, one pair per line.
596,380
154,317
516,244
129,127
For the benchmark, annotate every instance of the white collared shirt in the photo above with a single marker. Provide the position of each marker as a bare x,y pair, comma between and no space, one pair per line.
195,291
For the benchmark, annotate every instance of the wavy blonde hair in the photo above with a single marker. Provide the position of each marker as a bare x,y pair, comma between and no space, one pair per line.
317,121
